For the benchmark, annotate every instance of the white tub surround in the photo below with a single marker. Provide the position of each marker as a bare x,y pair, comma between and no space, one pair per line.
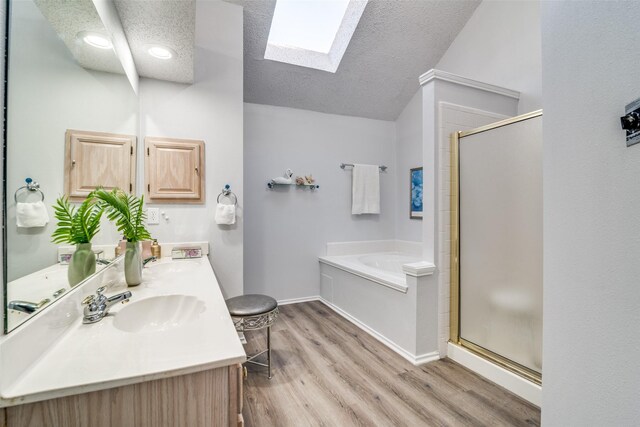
380,261
383,268
388,293
56,355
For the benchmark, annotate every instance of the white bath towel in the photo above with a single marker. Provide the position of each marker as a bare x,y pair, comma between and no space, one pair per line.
225,214
31,214
365,190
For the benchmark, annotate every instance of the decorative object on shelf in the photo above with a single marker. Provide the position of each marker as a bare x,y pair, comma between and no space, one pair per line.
305,180
31,214
283,180
415,194
225,212
300,181
78,226
382,168
127,211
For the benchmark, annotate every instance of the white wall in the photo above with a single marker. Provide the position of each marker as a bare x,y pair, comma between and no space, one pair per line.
591,204
48,94
408,155
287,227
500,44
211,109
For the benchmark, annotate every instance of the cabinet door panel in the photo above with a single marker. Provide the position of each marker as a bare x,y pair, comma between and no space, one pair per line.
174,170
94,159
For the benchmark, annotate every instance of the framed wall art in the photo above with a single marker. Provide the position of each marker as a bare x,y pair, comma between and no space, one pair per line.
415,193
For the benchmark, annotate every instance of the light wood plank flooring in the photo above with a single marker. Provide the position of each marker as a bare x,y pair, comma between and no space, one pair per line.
328,372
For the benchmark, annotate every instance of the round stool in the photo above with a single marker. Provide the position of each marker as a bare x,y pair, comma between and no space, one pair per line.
253,312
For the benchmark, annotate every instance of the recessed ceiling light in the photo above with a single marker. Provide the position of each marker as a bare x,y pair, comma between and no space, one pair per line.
161,52
95,39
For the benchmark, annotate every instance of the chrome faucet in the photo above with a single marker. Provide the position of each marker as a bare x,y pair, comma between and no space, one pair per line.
97,306
26,306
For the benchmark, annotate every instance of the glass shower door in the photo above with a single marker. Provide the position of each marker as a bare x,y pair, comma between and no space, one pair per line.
500,244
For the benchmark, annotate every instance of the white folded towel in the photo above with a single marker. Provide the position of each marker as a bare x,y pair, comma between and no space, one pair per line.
31,214
225,214
365,190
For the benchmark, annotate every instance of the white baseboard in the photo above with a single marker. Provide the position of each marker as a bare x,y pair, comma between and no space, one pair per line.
297,300
415,360
512,382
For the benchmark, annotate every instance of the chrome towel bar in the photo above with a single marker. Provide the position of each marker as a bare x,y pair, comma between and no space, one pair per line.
383,168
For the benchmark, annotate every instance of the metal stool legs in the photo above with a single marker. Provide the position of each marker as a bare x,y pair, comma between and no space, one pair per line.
268,351
253,323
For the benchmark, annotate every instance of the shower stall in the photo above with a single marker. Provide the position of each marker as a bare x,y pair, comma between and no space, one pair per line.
496,260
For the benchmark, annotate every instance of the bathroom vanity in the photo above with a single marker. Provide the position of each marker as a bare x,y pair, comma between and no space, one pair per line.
170,356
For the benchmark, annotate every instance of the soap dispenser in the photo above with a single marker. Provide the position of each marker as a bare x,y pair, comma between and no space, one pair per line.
156,249
120,247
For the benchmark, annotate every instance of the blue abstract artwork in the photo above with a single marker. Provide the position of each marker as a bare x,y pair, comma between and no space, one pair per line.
416,194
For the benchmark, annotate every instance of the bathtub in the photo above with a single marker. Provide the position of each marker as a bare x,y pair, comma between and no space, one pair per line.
386,289
384,268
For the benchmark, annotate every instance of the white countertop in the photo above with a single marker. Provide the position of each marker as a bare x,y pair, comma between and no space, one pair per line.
99,356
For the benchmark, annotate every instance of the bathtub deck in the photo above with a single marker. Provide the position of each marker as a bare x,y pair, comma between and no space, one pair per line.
329,372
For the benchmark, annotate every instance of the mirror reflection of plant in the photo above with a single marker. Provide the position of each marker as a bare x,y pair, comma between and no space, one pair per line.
127,211
76,225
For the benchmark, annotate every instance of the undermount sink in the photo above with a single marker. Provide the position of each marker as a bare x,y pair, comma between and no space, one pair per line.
156,314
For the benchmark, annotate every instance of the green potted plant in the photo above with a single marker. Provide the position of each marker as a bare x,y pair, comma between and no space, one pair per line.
127,211
78,226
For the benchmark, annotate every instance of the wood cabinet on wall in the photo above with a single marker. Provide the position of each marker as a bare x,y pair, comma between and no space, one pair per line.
174,170
95,159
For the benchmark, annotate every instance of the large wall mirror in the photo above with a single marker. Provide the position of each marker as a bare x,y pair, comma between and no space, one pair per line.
63,76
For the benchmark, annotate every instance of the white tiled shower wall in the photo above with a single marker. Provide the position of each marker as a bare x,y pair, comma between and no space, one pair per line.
452,118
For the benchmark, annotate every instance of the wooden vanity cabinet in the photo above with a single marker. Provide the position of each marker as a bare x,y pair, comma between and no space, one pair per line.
206,398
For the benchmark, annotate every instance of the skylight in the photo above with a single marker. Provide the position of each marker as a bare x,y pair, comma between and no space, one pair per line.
313,33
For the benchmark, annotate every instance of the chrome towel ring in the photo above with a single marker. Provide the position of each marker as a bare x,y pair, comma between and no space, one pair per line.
226,192
31,186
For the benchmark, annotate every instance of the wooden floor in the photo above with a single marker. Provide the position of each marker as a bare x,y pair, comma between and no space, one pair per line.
328,372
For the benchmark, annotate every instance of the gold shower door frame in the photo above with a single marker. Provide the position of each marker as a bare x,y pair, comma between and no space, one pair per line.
454,320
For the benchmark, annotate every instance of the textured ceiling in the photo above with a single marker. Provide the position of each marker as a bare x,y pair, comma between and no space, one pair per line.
395,42
169,23
68,18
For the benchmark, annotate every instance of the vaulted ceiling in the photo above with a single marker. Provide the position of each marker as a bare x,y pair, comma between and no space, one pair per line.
395,42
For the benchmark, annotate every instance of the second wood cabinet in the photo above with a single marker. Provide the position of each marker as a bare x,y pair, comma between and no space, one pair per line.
174,170
98,159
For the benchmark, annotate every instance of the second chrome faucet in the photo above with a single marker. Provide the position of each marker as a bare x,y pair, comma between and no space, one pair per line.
97,306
